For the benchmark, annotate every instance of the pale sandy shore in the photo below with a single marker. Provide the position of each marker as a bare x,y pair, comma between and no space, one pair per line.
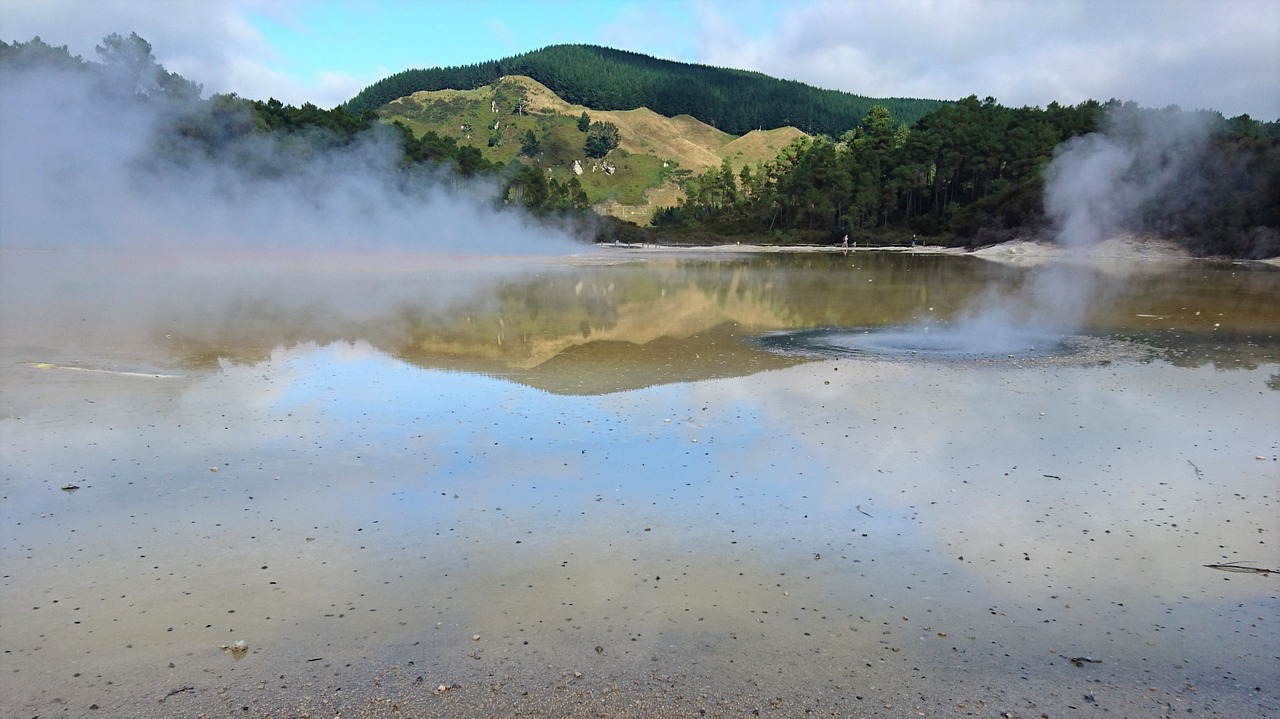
1121,249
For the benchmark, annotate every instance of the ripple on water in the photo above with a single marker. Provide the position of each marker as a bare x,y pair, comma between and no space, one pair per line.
948,344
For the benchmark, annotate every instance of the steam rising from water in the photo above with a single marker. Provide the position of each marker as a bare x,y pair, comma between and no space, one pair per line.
81,168
1098,184
118,232
1097,187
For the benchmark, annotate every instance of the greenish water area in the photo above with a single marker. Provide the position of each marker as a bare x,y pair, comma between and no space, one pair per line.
637,484
563,324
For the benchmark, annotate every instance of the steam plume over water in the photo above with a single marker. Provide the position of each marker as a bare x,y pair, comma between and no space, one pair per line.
1097,187
1100,184
88,163
129,217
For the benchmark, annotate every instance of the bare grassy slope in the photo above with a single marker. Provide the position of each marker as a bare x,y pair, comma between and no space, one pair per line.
654,149
758,145
692,144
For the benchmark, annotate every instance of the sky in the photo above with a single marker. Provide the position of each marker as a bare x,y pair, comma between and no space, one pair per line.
1221,55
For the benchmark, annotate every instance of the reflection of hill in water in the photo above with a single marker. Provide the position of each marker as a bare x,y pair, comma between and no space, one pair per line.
600,328
618,331
586,328
601,367
624,325
528,323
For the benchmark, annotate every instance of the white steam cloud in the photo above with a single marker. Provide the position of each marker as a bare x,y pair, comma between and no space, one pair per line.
85,165
130,230
1099,184
1097,187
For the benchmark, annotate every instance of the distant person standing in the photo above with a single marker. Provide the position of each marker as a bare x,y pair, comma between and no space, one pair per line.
845,241
913,240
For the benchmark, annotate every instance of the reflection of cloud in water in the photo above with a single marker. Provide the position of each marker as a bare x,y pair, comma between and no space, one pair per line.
425,506
1092,472
579,329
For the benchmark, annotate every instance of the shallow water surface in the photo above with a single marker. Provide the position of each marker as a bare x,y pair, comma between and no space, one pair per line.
596,483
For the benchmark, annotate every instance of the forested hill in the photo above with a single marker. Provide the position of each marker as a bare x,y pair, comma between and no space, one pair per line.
735,101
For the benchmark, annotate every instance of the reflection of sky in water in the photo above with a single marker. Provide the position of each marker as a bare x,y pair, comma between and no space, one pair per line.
1026,512
1017,510
996,462
428,435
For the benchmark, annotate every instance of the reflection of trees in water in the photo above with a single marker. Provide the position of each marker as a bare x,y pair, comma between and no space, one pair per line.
522,321
1220,350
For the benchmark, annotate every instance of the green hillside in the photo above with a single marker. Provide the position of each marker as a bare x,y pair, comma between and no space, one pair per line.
631,182
600,78
968,172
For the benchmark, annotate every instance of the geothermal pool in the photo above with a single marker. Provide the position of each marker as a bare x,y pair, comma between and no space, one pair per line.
636,485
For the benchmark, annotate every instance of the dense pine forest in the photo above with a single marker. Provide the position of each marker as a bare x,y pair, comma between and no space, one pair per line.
973,173
601,78
969,172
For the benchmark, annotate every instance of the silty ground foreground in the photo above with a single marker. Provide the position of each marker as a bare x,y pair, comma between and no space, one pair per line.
845,537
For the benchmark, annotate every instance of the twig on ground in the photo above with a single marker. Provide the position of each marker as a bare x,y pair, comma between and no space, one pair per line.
1235,567
175,692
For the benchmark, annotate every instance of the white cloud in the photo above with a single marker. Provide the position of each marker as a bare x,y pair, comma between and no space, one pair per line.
1218,54
136,188
1193,53
209,41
